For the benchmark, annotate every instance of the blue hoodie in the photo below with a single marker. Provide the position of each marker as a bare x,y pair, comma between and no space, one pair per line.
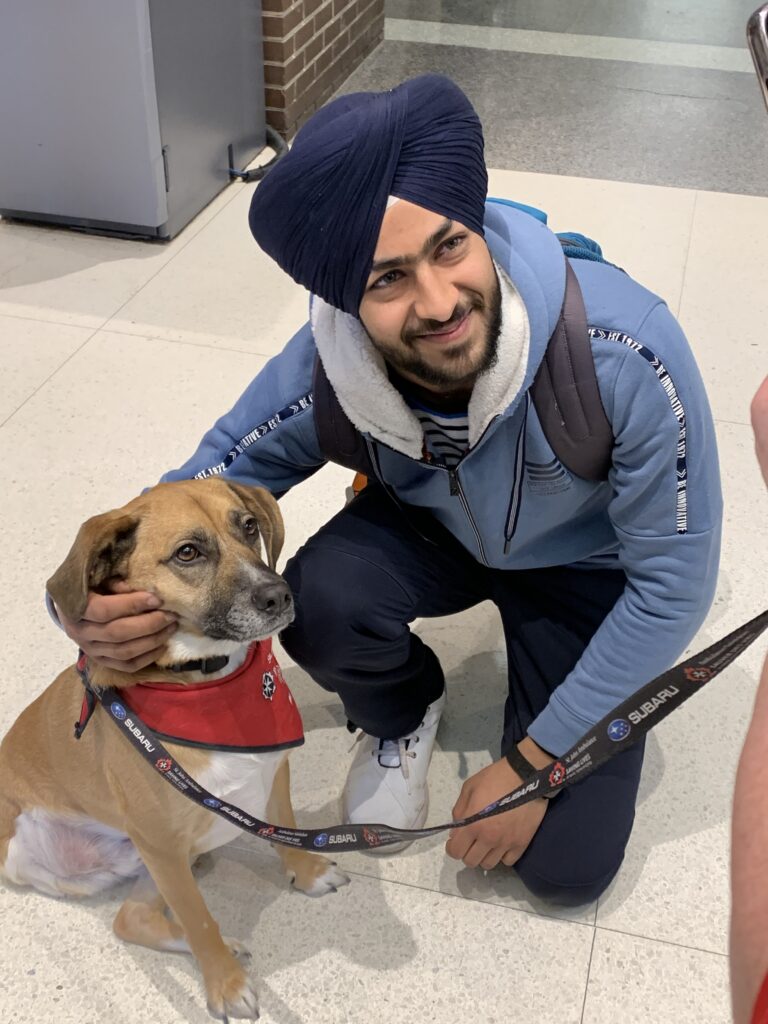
511,503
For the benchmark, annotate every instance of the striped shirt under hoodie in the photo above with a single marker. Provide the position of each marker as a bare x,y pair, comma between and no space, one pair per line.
446,432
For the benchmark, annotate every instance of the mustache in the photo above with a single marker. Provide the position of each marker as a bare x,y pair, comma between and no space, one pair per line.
412,332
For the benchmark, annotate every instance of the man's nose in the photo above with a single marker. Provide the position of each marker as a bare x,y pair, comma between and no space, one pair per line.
436,296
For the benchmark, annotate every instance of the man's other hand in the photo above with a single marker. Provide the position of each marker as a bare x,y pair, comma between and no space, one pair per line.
502,839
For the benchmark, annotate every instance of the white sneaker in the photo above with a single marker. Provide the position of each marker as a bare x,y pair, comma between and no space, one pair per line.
387,782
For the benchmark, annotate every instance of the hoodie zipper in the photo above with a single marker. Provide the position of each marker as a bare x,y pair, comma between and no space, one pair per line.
516,498
454,485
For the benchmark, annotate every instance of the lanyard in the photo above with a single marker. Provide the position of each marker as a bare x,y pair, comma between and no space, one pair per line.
622,727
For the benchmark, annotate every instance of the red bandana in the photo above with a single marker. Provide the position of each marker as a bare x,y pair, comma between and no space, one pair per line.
251,710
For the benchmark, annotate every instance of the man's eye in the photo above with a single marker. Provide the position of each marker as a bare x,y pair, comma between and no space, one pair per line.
250,526
452,244
386,279
187,553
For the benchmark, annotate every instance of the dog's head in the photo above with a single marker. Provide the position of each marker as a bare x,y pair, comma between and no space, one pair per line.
200,546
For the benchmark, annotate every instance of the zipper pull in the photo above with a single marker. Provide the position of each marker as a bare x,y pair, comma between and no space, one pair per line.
453,483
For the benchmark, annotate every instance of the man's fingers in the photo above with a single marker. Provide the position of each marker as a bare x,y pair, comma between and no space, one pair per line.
477,853
130,651
126,629
493,858
134,664
117,586
107,607
510,858
458,843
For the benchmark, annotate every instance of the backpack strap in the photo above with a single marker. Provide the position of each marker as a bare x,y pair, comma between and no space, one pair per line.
566,396
340,441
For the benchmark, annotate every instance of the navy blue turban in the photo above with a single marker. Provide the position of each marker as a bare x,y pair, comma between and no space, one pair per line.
318,212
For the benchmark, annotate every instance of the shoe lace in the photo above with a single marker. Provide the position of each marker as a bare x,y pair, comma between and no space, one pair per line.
396,751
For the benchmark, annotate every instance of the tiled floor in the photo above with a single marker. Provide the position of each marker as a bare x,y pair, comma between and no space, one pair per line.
116,355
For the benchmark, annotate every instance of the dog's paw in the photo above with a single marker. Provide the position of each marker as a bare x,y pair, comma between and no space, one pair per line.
232,995
322,878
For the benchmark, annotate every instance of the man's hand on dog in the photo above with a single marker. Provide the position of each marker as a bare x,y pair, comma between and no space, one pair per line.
124,630
504,838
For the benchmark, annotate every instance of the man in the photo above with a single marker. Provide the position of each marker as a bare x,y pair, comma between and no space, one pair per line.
749,858
431,313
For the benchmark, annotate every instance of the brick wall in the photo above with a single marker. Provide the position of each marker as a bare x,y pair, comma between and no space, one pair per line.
310,47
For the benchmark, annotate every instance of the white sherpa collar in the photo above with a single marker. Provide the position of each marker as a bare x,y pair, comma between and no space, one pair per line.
358,374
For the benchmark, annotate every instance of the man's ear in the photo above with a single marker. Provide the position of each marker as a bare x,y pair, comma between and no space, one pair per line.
101,550
261,504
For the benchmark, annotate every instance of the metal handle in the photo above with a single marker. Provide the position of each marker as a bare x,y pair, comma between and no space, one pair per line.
757,39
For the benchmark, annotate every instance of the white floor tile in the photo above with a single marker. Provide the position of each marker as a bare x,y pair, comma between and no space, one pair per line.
372,951
643,228
31,352
635,981
221,291
724,307
66,277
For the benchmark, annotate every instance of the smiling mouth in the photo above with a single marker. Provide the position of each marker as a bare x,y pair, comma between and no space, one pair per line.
450,333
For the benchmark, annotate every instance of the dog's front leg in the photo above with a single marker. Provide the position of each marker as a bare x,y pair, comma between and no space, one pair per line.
311,872
229,991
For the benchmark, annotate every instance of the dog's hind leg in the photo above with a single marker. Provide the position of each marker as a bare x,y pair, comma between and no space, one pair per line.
311,873
228,988
9,812
145,920
142,920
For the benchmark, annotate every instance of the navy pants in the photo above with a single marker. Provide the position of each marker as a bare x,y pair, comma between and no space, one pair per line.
368,573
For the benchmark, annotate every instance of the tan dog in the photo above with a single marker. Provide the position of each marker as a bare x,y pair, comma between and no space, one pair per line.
78,816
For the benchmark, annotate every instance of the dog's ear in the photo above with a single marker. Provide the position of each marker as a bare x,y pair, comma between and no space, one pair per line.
261,504
100,551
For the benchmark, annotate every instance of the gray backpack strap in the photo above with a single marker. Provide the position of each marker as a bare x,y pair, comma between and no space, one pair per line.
566,395
340,441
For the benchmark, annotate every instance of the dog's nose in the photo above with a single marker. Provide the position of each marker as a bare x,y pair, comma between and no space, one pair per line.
273,599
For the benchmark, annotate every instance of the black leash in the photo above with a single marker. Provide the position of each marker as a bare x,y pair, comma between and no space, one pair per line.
618,730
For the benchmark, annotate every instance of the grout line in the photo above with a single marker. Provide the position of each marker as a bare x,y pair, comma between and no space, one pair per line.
700,56
235,193
50,375
53,323
471,899
662,942
589,972
687,253
192,344
734,423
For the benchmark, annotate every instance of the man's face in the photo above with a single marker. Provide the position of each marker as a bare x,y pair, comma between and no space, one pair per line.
432,304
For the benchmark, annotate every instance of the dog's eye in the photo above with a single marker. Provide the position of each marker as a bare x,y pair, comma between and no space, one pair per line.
250,526
187,553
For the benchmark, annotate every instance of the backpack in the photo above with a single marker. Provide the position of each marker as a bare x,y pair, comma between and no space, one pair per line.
564,392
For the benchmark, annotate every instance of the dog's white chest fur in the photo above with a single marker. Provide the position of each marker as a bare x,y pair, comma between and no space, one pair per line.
244,780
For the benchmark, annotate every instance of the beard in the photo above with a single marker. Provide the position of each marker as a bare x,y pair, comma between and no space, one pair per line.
458,367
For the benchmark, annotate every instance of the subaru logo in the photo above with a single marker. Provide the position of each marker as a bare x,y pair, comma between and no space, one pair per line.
321,840
619,729
211,801
118,711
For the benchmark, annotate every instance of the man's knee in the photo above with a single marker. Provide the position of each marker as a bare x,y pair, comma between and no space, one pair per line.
345,603
569,888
